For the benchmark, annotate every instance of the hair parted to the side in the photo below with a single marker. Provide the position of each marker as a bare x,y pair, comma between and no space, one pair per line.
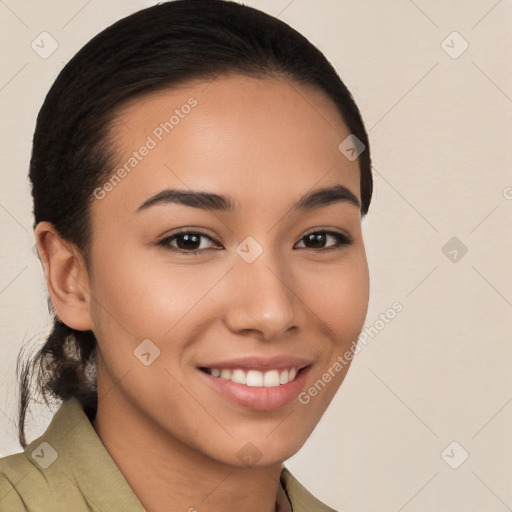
155,48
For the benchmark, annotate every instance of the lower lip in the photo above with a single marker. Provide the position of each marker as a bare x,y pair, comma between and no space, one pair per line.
259,398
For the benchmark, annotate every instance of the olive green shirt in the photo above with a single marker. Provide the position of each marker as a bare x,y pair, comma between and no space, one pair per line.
69,469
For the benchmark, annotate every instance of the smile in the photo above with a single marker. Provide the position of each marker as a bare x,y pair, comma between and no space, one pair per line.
255,378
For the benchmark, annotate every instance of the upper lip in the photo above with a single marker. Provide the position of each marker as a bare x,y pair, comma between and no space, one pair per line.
260,363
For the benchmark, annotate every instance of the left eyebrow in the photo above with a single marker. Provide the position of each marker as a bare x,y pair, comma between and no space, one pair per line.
206,200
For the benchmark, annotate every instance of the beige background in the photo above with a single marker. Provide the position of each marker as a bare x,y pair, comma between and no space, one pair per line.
441,139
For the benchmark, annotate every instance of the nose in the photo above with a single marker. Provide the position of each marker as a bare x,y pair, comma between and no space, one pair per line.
262,298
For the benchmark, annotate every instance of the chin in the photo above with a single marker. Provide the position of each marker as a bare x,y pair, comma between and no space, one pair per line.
263,449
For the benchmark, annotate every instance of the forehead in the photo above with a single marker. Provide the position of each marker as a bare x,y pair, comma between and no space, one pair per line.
258,140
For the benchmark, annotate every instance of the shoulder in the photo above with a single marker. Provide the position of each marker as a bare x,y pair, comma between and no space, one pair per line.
66,468
27,482
20,484
300,498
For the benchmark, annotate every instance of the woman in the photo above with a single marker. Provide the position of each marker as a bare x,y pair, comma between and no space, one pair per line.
199,175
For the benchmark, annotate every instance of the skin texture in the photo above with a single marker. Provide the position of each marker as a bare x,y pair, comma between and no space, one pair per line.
265,143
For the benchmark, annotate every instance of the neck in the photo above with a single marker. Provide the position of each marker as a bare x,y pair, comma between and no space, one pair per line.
161,470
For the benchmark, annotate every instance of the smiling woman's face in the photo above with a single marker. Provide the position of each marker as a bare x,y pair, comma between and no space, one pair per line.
267,287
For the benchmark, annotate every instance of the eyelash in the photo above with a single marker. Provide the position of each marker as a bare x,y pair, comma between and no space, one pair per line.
343,240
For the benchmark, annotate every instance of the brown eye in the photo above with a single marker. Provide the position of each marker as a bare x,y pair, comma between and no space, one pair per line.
318,240
187,242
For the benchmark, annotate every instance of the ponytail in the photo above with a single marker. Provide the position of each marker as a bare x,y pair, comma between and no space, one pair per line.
64,367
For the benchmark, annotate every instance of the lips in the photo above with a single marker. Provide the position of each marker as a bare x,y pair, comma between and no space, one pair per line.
257,382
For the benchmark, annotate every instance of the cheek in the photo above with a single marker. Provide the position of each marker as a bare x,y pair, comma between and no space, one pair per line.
339,301
338,296
145,295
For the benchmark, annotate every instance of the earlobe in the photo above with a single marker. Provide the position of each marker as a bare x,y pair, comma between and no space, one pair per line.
66,277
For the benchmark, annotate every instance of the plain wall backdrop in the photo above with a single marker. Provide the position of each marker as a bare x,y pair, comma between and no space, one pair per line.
423,420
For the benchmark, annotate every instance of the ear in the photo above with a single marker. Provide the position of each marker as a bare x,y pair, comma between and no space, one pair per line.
66,277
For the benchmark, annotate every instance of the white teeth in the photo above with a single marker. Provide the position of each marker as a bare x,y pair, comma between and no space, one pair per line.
225,374
255,378
271,379
239,377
